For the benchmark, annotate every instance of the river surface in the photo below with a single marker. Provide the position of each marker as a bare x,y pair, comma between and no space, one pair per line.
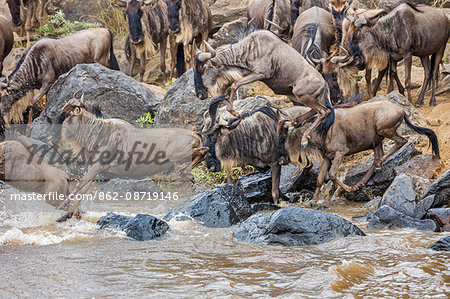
42,258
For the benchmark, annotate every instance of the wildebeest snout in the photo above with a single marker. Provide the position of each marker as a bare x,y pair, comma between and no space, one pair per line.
212,164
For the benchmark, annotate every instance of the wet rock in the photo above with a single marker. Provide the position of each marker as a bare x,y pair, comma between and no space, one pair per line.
306,180
366,217
225,11
264,206
442,244
288,174
440,191
387,217
142,227
223,206
381,178
413,114
257,187
374,203
441,216
116,94
402,197
420,165
293,226
122,186
230,32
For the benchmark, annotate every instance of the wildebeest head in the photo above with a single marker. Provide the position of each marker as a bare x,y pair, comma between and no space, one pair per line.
133,12
14,8
174,7
208,78
295,5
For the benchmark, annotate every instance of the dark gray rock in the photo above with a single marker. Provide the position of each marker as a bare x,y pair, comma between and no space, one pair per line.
369,214
305,180
374,203
440,189
230,32
142,227
421,165
289,173
387,217
442,244
122,186
116,94
293,226
223,206
381,178
441,216
401,196
224,11
181,107
257,187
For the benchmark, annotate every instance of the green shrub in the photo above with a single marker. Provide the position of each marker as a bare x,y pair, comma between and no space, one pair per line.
204,176
147,121
58,25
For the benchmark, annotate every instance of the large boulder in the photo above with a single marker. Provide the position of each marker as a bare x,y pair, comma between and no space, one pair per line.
439,192
142,227
413,114
424,166
230,32
441,216
403,197
224,11
381,178
387,217
223,206
116,94
442,244
257,186
181,107
293,226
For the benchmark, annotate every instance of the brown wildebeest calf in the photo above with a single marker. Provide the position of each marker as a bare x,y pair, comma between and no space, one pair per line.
355,129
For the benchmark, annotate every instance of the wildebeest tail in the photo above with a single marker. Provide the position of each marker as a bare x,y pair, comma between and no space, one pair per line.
181,64
425,131
113,64
323,128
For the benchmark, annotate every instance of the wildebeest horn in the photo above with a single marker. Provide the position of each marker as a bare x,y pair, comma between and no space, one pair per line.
210,49
274,24
317,61
344,50
346,62
204,57
350,18
361,22
339,59
249,22
194,46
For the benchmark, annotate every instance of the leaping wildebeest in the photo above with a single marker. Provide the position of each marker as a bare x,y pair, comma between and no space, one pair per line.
263,56
148,25
6,40
406,31
272,15
189,22
361,127
119,148
47,59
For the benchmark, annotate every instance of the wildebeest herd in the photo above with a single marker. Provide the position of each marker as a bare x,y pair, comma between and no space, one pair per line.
311,51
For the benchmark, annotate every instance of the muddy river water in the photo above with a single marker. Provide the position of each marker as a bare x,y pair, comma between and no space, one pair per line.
42,258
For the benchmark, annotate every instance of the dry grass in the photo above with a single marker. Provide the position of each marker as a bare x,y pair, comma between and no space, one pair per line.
113,20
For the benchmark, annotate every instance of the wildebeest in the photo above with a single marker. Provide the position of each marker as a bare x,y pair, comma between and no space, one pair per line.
313,34
355,129
295,6
405,32
263,56
47,59
119,148
307,4
272,15
24,171
189,22
6,40
250,139
148,25
32,7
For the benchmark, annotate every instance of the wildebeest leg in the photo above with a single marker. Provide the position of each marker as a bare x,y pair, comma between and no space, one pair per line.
162,51
334,168
394,75
133,59
29,21
142,66
391,133
368,77
84,187
44,89
276,174
377,153
377,82
321,177
253,77
173,54
408,63
426,68
437,60
188,51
